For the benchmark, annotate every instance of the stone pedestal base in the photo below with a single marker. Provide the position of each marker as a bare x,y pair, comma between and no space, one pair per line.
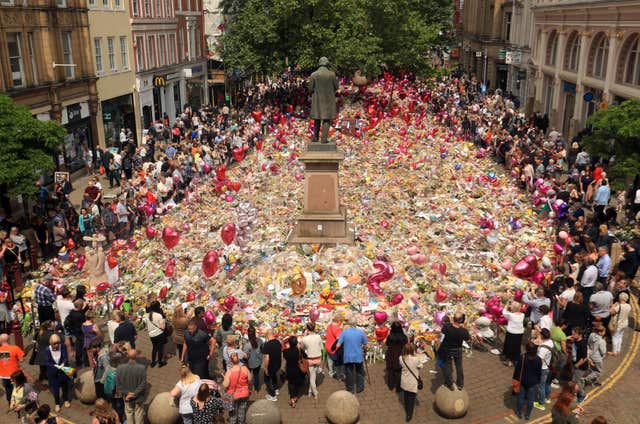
323,219
322,228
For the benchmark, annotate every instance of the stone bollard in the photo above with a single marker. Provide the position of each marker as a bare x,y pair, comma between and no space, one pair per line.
85,388
342,408
162,410
451,404
263,412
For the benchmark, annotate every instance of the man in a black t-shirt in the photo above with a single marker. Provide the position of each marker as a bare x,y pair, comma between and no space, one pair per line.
73,325
125,331
579,356
198,349
451,349
272,351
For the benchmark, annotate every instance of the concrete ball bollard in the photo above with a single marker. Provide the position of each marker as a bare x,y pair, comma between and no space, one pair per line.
162,410
451,404
85,388
342,408
263,412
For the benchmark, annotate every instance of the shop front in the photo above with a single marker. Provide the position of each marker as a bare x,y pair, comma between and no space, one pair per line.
77,121
117,113
196,79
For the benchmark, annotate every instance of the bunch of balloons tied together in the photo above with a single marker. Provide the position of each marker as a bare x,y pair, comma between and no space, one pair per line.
222,185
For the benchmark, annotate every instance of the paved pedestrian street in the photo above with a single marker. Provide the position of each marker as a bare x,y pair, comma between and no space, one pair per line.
487,380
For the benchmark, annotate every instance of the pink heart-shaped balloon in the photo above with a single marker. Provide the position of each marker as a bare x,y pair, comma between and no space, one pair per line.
526,267
314,314
441,295
151,232
380,317
397,298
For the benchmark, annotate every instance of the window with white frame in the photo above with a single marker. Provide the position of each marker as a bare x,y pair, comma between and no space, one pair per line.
159,13
32,57
106,4
135,8
552,48
169,8
172,49
6,2
181,49
162,50
97,50
147,8
67,55
92,3
507,26
15,59
151,55
198,45
572,54
632,66
600,55
111,50
124,56
140,53
118,4
61,3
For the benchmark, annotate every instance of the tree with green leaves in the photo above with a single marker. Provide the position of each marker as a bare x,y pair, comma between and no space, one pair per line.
616,131
27,146
265,35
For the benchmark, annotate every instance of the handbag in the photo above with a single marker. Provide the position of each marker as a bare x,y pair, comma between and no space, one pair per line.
515,384
420,383
613,324
303,363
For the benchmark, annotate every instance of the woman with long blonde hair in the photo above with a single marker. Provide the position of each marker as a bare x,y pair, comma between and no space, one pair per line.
187,387
180,323
104,413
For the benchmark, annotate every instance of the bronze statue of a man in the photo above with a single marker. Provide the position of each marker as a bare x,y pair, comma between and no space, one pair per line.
323,85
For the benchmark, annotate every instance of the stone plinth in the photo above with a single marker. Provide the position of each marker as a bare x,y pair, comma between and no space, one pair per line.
323,219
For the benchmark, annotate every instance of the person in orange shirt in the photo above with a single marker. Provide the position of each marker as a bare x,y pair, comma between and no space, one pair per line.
10,358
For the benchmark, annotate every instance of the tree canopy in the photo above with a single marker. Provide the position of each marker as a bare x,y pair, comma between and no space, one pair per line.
616,132
27,146
262,35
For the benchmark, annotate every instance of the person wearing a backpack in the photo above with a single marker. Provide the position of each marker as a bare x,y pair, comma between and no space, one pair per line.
410,381
546,353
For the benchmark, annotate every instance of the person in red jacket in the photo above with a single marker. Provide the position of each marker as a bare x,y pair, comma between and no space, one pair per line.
332,333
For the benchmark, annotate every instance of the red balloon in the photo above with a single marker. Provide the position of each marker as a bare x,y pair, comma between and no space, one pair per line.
221,173
441,295
81,260
169,270
257,115
228,233
558,248
71,244
103,286
259,144
238,154
381,333
210,263
207,168
235,186
191,296
526,267
209,317
442,268
170,237
112,261
163,292
314,314
229,302
397,298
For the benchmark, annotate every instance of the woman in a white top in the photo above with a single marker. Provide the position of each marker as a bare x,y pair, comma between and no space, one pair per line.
619,320
515,330
312,345
187,389
156,324
409,378
112,324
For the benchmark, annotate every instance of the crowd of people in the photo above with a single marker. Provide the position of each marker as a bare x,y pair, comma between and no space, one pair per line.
568,325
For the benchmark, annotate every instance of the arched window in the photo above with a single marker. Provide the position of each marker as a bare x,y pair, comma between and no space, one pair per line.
599,55
572,54
552,47
629,62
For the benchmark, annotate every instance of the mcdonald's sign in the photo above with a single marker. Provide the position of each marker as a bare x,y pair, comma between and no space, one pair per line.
159,81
